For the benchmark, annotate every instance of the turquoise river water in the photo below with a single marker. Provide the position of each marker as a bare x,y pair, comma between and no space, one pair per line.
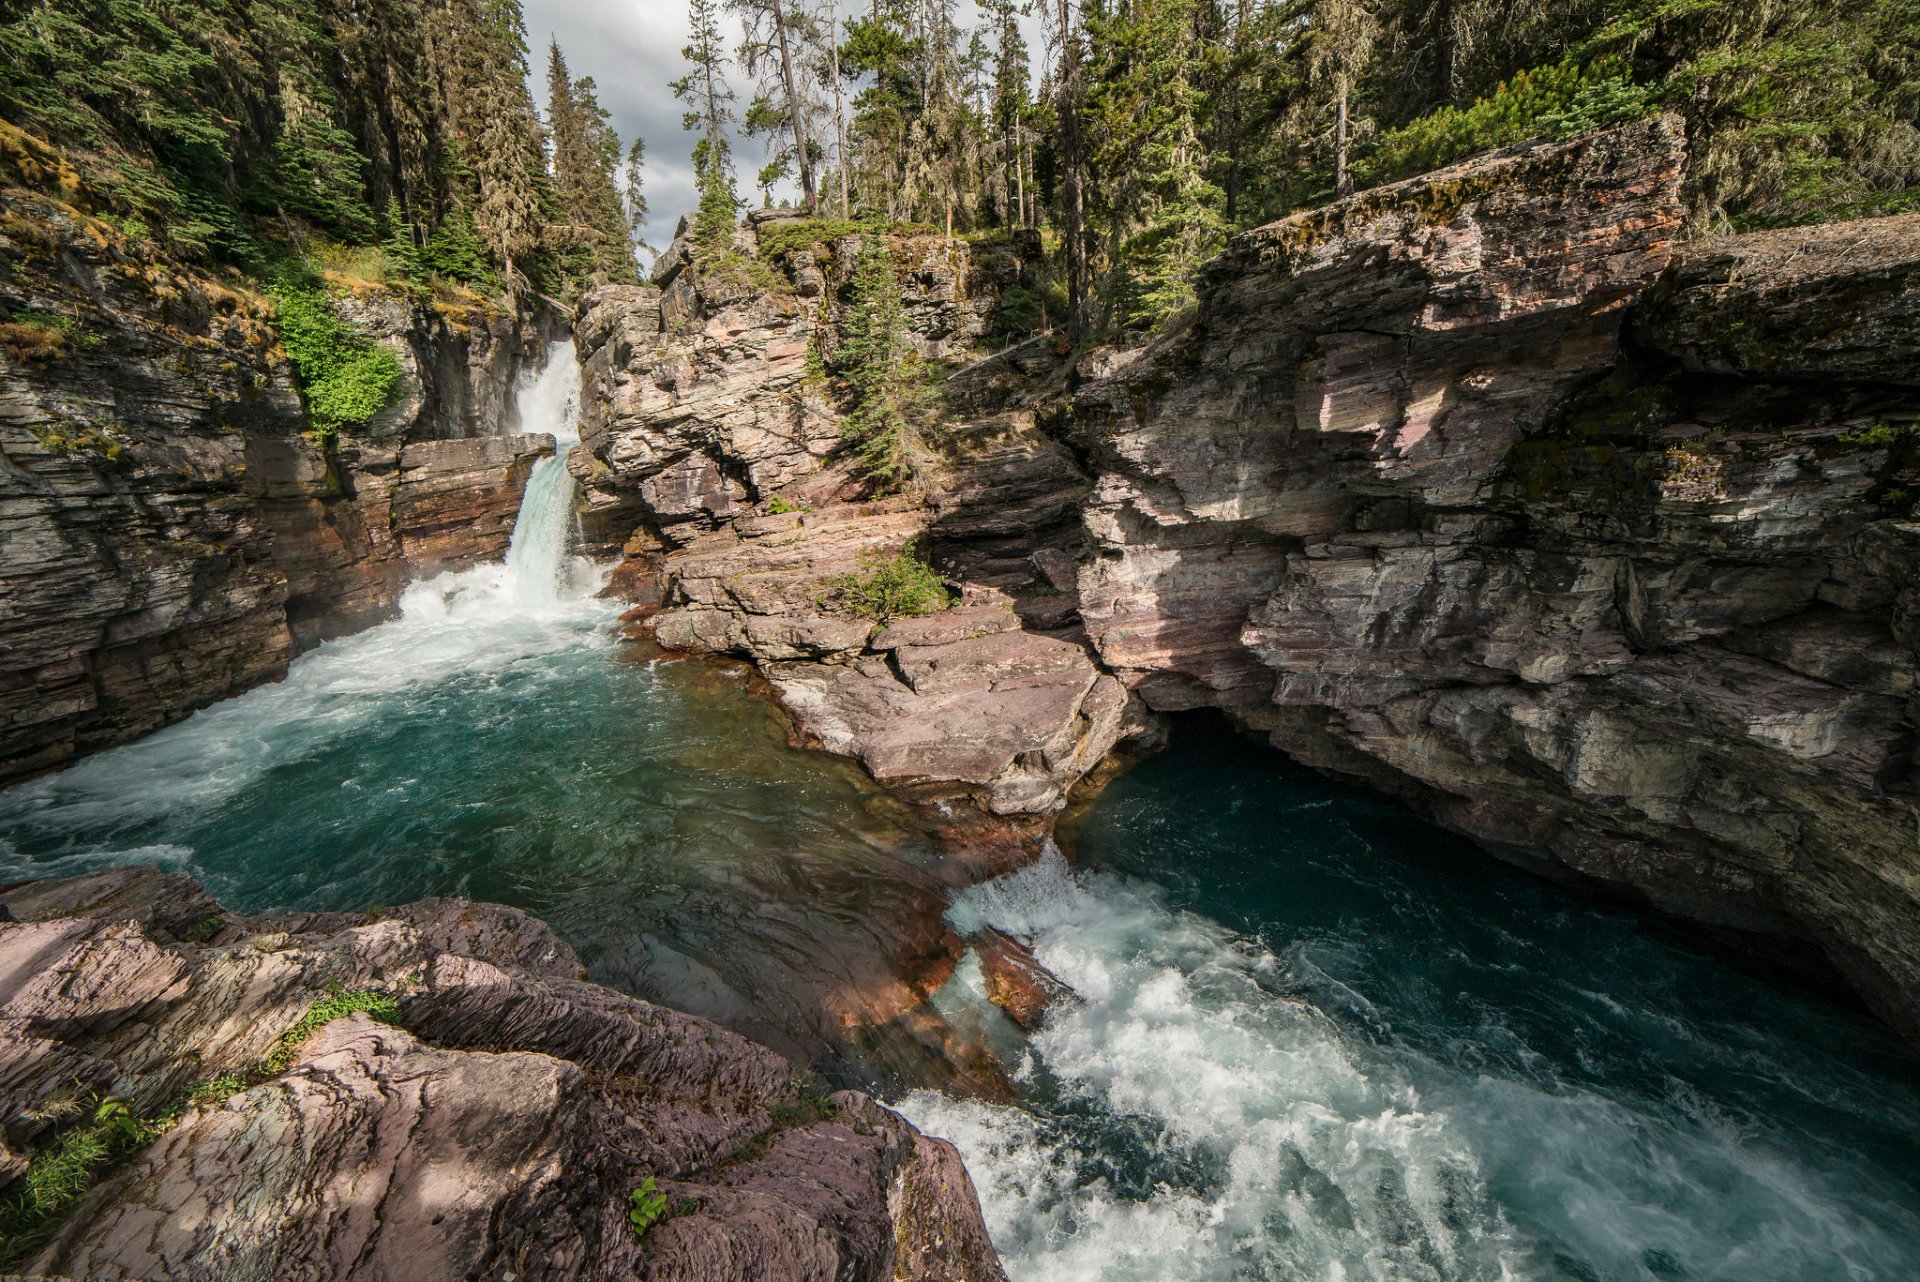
1315,1039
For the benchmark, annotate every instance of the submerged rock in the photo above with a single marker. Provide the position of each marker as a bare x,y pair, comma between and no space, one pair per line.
497,1127
1016,981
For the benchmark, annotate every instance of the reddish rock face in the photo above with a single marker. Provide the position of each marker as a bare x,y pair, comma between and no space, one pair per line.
1016,981
1471,489
169,533
499,1129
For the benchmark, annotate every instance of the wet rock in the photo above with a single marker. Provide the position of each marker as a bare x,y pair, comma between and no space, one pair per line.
1016,981
497,1131
703,421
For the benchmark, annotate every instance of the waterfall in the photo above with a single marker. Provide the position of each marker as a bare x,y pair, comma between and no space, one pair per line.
539,571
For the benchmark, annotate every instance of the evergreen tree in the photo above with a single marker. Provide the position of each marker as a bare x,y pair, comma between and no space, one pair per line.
457,252
1160,213
634,193
496,157
589,231
401,244
1007,109
709,110
778,38
885,394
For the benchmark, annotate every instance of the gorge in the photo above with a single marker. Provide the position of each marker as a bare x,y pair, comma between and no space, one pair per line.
1404,771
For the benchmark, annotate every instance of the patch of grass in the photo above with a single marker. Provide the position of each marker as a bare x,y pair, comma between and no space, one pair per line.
891,585
203,930
1879,433
645,1207
70,439
338,1005
777,240
36,334
61,1174
780,505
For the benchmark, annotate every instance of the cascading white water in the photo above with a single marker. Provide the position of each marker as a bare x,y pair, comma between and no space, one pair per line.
539,571
473,624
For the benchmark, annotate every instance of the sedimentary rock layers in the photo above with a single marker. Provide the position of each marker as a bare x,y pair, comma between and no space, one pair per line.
705,430
1463,488
498,1126
170,532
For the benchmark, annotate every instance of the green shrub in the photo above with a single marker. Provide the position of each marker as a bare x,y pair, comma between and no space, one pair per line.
338,1005
60,1175
347,376
777,240
891,586
645,1207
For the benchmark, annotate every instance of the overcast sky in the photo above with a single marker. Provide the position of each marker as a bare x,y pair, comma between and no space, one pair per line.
631,48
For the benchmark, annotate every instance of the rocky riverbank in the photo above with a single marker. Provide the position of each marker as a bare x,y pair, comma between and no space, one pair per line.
1480,488
172,531
431,1093
707,438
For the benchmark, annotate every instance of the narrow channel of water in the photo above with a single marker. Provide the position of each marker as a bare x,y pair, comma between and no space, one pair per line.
1321,1040
1316,1039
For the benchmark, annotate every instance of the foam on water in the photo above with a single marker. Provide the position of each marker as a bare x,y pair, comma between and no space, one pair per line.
1195,1116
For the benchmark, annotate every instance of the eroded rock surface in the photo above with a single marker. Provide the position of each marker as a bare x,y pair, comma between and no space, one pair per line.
497,1131
170,531
1470,488
704,430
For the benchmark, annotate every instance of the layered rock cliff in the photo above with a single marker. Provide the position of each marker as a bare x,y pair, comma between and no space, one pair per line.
427,1093
171,531
1479,489
704,429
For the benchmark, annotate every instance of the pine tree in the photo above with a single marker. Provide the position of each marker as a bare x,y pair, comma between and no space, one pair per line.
496,155
779,35
886,398
590,234
709,110
1007,109
400,244
634,193
1161,212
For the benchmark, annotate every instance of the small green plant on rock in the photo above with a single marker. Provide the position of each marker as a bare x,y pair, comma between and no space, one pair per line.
891,585
338,1005
646,1205
60,1175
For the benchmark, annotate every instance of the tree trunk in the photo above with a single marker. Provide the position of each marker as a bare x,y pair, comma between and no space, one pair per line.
840,123
803,153
1074,228
1020,175
1342,184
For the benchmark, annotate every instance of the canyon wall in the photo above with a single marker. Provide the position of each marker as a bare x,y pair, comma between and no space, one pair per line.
1481,490
171,531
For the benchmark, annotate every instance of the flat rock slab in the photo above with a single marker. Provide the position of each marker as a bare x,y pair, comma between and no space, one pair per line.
1010,718
497,1132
